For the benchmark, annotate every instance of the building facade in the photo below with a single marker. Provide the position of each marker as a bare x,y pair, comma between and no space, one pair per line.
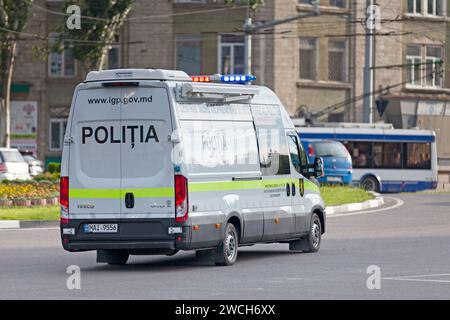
313,64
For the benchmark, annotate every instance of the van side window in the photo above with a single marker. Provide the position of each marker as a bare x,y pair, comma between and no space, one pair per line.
298,156
219,146
273,152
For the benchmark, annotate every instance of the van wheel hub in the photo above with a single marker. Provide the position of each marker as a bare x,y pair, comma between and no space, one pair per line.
315,234
230,246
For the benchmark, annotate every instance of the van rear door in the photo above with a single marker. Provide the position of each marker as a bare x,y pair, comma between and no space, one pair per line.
94,156
147,170
120,159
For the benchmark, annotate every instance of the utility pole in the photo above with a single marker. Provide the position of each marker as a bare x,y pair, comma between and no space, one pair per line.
248,47
369,62
250,28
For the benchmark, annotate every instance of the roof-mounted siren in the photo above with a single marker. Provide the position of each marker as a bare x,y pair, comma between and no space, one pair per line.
229,78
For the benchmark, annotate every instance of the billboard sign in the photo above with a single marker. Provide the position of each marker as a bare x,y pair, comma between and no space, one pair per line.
24,125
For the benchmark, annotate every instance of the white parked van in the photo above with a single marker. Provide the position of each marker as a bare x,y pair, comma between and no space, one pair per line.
154,163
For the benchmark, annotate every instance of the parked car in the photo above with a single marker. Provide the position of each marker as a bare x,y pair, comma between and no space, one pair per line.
337,160
35,166
13,165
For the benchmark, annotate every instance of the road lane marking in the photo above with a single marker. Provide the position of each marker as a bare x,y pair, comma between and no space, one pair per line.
417,280
399,203
423,275
420,278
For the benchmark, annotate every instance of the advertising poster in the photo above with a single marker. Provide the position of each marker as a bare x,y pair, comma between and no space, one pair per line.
24,125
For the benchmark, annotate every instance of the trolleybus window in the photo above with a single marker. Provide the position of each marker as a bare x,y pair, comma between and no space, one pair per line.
386,155
418,156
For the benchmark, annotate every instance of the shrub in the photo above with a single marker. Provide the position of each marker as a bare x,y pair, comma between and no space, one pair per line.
52,167
52,177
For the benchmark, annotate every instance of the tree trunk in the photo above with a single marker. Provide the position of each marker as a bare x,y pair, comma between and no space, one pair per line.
102,60
2,119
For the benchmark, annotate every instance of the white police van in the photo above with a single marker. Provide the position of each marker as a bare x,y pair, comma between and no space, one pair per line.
155,161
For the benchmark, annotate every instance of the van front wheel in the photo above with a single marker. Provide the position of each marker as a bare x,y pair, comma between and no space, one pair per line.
226,253
311,243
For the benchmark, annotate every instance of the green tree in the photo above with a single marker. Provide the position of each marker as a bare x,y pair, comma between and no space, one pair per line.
100,21
13,17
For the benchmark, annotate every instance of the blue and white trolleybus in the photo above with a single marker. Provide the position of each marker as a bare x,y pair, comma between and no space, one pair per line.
385,159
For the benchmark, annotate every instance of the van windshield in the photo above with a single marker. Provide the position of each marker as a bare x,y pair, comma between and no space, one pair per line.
330,149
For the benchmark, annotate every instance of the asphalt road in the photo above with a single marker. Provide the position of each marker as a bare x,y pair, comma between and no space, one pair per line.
410,244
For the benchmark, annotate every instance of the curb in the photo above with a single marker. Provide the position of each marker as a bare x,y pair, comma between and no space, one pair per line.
352,207
27,224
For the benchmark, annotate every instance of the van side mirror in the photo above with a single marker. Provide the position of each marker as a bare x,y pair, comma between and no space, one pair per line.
319,170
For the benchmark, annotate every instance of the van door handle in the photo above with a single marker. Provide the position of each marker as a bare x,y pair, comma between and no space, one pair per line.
129,200
293,189
288,189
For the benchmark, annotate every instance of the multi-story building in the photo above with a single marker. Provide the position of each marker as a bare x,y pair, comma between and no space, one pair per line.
311,63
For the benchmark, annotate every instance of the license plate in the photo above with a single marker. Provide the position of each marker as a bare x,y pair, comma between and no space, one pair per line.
101,228
334,179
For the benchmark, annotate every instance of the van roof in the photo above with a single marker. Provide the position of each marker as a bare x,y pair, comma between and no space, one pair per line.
137,74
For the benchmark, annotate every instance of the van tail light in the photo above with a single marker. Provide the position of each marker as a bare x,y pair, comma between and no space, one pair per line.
311,151
181,198
2,168
64,199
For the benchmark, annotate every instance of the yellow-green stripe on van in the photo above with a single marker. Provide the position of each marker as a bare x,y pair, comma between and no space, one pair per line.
193,187
246,185
119,194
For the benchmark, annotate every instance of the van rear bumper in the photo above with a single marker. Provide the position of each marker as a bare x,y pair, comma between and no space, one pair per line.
133,234
124,245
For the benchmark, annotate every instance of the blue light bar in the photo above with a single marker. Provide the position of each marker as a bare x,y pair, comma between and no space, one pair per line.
237,78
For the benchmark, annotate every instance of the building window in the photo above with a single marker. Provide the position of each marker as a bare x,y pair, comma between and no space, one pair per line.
426,7
61,64
337,57
415,6
189,54
433,60
434,7
424,66
231,54
308,58
413,60
336,117
338,3
57,131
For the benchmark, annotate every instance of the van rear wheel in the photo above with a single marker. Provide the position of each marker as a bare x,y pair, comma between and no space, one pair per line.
226,253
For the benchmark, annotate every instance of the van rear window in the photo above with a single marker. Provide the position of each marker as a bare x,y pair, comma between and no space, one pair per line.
330,149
